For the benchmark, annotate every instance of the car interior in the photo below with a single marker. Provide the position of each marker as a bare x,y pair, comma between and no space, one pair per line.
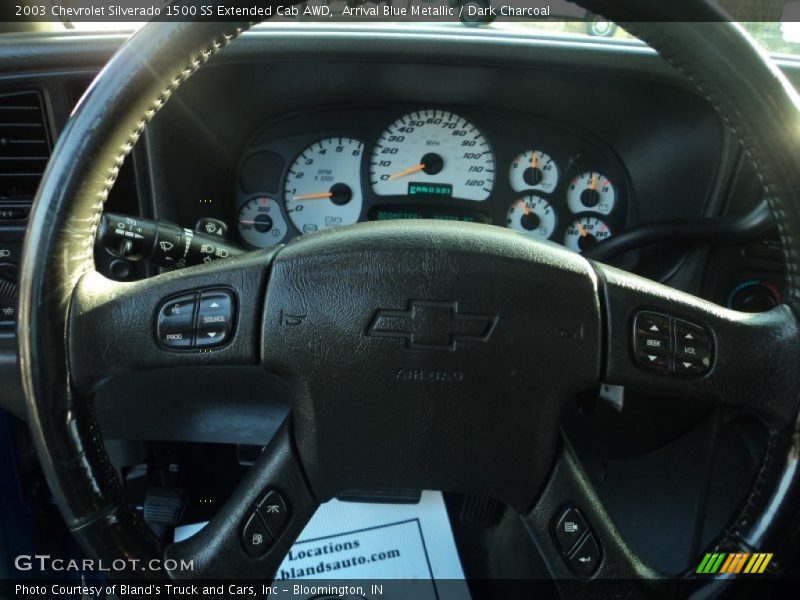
253,271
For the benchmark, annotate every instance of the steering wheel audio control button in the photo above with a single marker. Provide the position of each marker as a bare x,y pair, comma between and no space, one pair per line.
671,345
692,348
256,537
274,512
651,340
175,324
586,558
569,528
652,324
214,318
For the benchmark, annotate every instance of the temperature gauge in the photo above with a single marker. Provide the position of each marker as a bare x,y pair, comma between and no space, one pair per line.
533,170
591,191
261,223
584,233
532,215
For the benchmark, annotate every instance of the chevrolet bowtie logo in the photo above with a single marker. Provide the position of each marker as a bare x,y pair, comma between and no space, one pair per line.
428,325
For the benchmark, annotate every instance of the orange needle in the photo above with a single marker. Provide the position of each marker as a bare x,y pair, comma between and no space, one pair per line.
313,196
583,231
407,171
525,208
534,160
594,181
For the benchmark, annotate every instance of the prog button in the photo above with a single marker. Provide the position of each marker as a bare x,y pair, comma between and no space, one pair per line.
175,323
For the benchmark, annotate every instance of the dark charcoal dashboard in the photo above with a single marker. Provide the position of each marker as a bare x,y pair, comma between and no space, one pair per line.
293,130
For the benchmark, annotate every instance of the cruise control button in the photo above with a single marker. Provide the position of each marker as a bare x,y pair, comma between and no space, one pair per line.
214,318
256,538
569,528
274,511
586,558
175,323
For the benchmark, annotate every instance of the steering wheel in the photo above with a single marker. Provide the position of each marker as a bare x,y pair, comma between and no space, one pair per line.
421,355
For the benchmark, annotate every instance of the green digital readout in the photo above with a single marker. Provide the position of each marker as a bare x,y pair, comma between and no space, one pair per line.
430,189
390,215
438,213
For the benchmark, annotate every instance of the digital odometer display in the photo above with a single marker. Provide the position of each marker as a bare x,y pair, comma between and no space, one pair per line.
438,213
430,189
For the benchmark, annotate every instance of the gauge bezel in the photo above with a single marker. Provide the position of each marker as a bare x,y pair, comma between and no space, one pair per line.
536,188
531,233
584,216
574,149
255,198
585,209
311,148
479,133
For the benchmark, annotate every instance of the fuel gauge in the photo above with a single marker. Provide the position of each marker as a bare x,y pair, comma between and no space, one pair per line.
261,223
585,233
533,216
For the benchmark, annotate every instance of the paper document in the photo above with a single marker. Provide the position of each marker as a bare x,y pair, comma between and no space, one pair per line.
377,543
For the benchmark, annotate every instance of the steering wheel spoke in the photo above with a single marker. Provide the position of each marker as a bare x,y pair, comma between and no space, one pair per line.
577,539
205,315
250,535
666,341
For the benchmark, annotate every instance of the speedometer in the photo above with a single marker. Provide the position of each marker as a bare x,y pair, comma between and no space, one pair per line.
433,153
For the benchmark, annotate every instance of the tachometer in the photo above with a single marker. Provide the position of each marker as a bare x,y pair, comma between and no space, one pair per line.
433,153
584,233
532,215
323,187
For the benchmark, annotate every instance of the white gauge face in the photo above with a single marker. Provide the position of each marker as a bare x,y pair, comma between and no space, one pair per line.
323,187
433,153
533,216
593,192
533,170
585,233
261,223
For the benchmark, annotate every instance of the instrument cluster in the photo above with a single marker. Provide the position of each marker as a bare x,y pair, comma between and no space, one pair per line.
317,170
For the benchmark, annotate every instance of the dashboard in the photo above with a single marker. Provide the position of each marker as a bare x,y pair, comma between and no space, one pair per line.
320,169
568,138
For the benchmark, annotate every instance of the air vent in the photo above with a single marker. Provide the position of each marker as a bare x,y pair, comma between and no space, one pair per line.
24,150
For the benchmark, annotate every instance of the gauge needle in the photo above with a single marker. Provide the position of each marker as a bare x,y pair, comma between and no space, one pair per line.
525,208
594,181
534,161
582,229
319,196
407,171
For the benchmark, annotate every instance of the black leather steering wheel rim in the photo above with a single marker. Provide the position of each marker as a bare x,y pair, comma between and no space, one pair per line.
750,94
